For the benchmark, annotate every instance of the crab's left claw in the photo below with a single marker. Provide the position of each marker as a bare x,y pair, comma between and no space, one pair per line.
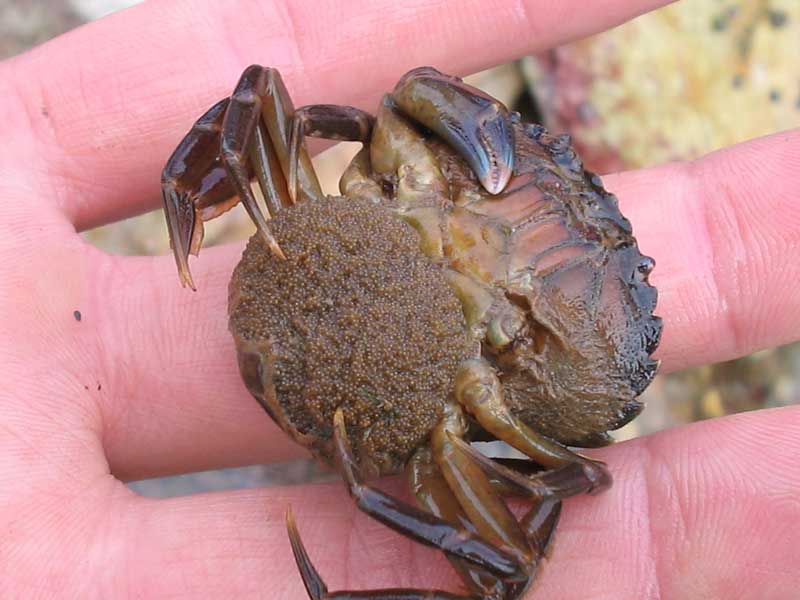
185,229
476,125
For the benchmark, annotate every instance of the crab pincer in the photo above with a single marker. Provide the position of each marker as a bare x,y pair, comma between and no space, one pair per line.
476,125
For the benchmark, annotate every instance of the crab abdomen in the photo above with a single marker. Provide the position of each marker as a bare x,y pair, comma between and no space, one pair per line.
355,317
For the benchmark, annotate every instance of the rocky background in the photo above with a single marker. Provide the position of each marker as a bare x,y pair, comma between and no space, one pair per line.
674,84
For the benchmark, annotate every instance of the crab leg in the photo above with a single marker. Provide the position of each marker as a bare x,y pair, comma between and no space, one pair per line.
422,526
264,163
476,125
463,484
417,524
317,590
554,483
211,168
513,477
545,488
434,495
470,485
240,127
327,121
193,180
478,389
486,510
277,113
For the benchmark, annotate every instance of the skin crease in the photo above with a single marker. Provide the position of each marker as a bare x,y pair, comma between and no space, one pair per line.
146,383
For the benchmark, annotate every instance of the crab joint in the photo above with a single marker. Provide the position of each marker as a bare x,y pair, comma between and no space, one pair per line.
505,327
477,387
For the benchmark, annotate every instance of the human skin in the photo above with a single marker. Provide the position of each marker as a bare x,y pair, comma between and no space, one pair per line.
146,383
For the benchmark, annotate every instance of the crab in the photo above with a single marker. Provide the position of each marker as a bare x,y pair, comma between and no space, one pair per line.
472,282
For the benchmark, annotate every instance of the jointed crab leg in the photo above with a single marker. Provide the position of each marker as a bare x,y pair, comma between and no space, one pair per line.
469,482
478,389
509,563
417,524
546,488
211,168
278,114
317,590
254,132
268,171
328,121
239,128
559,483
194,179
261,96
471,487
539,524
434,495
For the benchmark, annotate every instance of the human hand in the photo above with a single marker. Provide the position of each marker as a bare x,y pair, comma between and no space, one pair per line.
146,384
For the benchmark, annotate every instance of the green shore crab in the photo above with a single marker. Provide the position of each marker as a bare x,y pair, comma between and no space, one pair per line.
472,282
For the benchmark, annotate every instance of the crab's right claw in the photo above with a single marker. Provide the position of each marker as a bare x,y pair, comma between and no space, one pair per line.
476,125
185,229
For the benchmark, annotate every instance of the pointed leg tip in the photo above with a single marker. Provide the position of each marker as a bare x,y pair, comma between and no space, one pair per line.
295,541
338,419
186,278
269,240
276,250
185,229
311,579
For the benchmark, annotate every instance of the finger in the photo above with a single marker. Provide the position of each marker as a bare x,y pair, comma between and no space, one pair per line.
172,398
99,110
722,231
725,233
702,511
705,511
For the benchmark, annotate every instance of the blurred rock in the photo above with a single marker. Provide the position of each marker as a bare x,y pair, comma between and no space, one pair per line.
674,84
289,473
27,23
94,9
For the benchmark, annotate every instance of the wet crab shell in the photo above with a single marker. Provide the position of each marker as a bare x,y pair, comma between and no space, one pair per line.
552,255
570,261
384,293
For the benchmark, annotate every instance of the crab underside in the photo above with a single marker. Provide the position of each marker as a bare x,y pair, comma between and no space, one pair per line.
472,282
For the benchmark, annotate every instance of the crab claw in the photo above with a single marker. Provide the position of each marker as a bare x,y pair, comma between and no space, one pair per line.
476,125
185,229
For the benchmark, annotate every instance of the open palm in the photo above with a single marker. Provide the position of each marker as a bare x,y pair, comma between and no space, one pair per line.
146,383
